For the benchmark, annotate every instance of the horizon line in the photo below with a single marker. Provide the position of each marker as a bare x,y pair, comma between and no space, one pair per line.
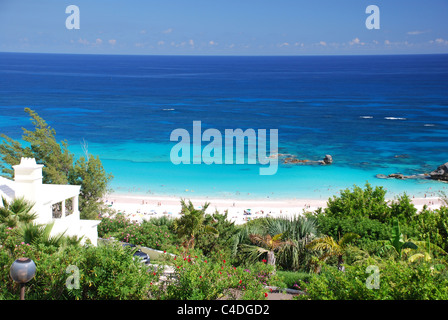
226,55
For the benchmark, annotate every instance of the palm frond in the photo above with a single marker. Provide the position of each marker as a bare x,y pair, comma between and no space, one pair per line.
19,210
424,256
325,243
211,230
37,233
5,202
348,238
277,237
252,253
430,246
258,239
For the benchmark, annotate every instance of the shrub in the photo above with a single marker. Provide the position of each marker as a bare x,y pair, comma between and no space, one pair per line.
402,209
367,229
106,273
292,280
110,226
157,237
397,281
209,243
110,272
359,202
145,234
199,278
433,224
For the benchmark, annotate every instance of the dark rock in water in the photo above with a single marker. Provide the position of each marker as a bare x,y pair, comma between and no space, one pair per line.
328,159
397,176
402,176
293,160
441,173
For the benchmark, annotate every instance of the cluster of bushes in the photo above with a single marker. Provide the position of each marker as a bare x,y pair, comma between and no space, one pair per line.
406,248
93,273
68,270
367,213
147,233
326,253
202,277
360,246
397,280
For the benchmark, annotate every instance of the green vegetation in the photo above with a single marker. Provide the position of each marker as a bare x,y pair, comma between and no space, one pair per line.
319,254
60,166
329,247
192,224
16,212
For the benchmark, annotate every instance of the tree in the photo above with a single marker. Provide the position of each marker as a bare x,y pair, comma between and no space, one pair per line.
289,236
191,223
208,242
369,202
93,179
329,247
266,244
58,161
298,231
16,212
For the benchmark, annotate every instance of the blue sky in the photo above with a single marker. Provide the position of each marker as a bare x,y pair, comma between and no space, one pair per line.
224,27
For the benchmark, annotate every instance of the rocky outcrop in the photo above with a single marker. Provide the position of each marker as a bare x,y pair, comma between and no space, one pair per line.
293,160
397,176
441,173
402,176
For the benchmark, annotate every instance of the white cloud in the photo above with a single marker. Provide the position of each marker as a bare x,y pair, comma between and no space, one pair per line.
323,43
167,31
112,42
357,42
441,41
161,43
212,43
98,41
191,42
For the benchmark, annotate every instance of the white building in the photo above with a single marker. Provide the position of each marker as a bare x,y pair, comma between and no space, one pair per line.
52,202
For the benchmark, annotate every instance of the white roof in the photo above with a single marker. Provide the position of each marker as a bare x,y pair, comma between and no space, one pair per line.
55,193
7,189
52,193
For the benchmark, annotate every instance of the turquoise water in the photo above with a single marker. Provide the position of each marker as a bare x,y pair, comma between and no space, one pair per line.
373,114
148,173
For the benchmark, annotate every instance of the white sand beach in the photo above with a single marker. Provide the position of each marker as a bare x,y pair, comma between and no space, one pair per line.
139,208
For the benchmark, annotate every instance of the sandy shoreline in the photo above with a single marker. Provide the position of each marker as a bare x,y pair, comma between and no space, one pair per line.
140,207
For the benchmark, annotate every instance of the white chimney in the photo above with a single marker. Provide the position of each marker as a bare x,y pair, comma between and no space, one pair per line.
28,179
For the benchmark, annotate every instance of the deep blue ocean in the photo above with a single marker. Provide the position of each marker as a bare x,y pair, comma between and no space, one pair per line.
373,114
